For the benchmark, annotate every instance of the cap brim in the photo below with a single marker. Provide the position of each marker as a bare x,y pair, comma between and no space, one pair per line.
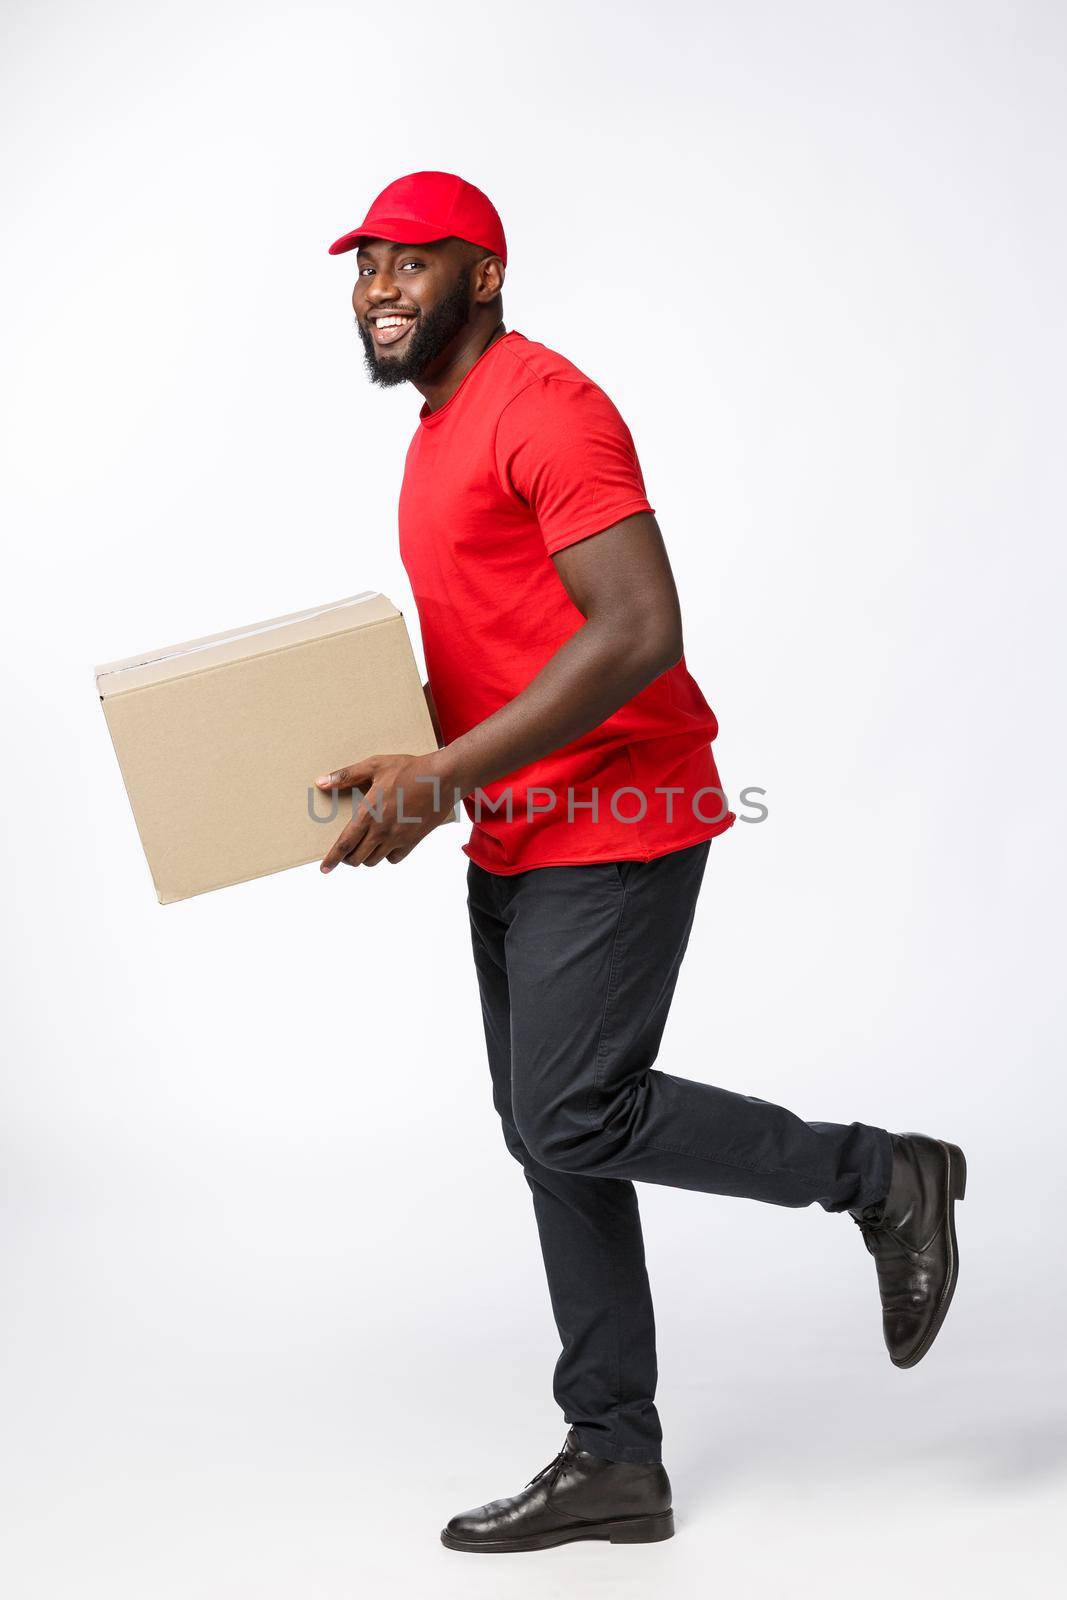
397,232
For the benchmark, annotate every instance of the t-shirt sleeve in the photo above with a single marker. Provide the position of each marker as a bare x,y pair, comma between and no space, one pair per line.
563,449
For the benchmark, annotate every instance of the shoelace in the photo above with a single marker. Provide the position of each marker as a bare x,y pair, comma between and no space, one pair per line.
556,1463
870,1222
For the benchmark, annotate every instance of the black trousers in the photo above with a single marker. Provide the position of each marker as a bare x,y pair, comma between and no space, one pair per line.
576,969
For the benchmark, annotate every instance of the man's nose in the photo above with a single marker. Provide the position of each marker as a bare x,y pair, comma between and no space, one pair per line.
382,287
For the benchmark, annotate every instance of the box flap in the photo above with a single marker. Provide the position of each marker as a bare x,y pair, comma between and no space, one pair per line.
242,644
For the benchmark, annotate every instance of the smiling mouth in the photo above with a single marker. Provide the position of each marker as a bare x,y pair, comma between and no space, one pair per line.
392,328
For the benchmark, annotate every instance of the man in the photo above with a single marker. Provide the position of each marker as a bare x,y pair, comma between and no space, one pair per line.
581,747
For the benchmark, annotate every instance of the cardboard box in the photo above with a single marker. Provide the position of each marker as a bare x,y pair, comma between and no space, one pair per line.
220,739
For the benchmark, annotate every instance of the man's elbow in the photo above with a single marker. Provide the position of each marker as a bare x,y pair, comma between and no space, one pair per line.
658,647
673,649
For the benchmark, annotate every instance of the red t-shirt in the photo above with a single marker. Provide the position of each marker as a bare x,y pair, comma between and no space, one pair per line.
528,456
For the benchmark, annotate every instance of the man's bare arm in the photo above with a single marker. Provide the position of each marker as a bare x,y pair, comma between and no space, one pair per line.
621,582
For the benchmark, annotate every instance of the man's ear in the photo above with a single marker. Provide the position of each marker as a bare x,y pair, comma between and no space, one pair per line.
488,279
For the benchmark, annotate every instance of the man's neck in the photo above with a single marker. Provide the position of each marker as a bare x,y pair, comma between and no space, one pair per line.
439,385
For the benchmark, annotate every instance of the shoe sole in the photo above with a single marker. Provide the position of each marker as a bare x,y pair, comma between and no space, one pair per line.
956,1184
624,1530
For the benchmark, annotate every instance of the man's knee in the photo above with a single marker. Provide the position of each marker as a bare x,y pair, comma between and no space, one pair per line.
562,1144
514,1140
573,1136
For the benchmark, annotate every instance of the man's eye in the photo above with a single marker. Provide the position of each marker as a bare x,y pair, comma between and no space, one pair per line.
405,264
364,270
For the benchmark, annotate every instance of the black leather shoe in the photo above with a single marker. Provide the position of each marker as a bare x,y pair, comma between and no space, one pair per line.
912,1237
577,1496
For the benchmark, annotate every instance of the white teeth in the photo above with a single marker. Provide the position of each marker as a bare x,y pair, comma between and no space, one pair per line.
391,322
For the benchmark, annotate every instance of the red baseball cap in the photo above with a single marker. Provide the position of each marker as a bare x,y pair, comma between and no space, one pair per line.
426,206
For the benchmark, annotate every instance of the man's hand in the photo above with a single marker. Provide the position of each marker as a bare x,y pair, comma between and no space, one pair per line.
403,799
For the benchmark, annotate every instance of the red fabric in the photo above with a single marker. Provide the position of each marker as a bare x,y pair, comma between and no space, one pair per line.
430,205
528,456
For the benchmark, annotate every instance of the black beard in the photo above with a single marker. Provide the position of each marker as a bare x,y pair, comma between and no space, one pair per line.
433,332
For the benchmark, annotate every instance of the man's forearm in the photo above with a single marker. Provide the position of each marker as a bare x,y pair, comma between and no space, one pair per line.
595,672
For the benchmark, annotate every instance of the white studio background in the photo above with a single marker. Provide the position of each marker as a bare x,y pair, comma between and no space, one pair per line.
273,1305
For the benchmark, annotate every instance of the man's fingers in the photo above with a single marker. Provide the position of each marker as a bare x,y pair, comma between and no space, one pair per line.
365,847
371,856
379,853
347,841
358,776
